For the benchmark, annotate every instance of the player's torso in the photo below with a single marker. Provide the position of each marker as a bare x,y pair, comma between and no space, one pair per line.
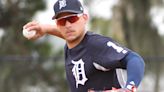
82,74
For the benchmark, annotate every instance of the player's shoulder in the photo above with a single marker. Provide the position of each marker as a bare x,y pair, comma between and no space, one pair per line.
97,42
97,39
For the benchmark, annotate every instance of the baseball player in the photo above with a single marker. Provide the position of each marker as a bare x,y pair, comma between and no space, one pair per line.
93,63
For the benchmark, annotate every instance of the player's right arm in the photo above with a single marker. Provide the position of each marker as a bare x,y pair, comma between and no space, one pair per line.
42,29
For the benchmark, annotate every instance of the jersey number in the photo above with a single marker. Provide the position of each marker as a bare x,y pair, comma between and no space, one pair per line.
117,48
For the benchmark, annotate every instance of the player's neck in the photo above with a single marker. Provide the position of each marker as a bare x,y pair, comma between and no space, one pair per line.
74,43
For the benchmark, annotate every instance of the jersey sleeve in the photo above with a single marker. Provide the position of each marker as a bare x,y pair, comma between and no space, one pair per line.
135,69
107,53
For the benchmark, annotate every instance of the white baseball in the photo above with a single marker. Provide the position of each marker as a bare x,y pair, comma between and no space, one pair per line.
29,34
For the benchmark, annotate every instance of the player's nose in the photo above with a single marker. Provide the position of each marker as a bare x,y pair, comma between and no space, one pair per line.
67,24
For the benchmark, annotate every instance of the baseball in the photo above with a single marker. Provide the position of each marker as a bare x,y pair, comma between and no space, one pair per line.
29,34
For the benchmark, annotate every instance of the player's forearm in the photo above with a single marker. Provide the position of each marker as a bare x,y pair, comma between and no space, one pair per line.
135,69
52,30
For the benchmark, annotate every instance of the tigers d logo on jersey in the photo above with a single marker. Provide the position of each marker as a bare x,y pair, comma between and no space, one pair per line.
79,72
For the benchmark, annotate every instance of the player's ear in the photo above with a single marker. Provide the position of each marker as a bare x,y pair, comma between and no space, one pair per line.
85,17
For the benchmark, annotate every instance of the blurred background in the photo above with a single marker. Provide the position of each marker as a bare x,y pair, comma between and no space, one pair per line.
38,66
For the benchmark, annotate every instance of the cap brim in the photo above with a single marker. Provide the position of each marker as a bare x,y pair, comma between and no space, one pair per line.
70,11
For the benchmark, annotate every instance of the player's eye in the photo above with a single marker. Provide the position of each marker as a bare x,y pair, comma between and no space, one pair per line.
72,19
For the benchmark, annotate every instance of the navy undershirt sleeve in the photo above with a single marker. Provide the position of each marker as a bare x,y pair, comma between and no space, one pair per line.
135,68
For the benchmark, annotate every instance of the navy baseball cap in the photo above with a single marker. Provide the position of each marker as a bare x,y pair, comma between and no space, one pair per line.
73,6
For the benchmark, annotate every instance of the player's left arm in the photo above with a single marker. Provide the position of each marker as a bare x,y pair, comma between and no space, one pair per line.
135,69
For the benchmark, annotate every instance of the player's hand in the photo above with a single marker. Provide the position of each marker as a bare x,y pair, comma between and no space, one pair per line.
121,90
39,28
113,90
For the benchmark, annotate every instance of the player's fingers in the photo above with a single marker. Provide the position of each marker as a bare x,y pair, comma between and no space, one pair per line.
102,91
35,27
30,24
110,91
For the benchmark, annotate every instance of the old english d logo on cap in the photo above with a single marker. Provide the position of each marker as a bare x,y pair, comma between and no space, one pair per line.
62,3
72,6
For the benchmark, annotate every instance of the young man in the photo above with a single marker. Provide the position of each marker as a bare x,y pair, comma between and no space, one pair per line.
92,61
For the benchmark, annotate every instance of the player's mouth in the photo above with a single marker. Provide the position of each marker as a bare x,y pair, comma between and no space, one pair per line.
69,33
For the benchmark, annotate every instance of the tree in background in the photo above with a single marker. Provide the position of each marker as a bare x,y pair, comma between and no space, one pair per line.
26,63
14,14
136,25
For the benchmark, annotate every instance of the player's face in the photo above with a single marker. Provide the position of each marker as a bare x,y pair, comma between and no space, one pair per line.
71,26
